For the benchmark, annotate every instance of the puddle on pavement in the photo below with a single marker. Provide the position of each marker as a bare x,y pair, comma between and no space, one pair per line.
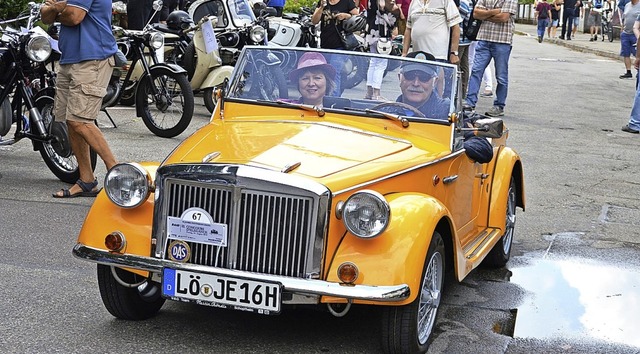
578,299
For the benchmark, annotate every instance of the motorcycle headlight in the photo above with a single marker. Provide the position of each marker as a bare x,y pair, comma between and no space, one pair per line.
156,40
127,185
257,34
38,48
366,214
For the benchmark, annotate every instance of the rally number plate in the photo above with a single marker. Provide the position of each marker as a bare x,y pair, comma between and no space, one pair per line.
221,291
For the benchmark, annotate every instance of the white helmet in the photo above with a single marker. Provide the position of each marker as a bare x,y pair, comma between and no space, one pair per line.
384,46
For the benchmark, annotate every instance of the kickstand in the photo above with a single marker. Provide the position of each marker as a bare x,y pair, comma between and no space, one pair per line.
108,116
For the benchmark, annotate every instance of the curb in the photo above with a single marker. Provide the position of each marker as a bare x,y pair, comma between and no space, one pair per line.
576,47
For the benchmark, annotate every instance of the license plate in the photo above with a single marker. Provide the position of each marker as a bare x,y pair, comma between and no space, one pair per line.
221,291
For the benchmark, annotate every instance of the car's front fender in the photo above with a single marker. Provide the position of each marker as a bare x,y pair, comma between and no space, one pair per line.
507,165
396,256
135,224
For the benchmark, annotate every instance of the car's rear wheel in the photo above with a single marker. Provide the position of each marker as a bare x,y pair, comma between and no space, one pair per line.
408,328
127,295
501,252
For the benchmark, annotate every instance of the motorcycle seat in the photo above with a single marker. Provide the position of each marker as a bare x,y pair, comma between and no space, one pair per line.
164,29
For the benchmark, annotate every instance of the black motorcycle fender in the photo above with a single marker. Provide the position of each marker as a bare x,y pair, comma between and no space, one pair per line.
176,69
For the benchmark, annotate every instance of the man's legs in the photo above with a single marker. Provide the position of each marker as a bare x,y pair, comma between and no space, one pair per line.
626,49
80,111
501,53
481,60
634,118
569,25
565,19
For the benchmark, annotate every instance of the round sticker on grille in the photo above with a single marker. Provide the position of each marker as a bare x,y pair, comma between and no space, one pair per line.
179,251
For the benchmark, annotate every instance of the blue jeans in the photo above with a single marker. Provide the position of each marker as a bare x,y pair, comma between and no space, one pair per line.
485,51
542,25
634,118
337,61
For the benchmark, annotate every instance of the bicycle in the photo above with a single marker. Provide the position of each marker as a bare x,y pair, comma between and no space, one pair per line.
607,27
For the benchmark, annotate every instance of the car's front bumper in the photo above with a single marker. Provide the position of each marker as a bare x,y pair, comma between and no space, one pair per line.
293,285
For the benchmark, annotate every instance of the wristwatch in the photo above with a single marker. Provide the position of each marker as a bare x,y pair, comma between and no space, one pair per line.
454,53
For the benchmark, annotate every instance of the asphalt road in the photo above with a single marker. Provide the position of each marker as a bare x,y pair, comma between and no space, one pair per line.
571,286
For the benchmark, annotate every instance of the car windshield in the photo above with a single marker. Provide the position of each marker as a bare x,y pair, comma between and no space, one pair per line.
339,80
240,12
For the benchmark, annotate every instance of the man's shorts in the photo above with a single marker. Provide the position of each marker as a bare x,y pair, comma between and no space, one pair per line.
80,88
595,18
627,41
576,21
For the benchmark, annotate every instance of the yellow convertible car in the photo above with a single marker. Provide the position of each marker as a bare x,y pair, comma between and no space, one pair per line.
312,193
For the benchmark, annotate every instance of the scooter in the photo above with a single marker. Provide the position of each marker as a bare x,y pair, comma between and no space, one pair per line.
197,54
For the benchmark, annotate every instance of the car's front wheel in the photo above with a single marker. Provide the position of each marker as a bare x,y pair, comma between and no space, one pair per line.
408,328
128,296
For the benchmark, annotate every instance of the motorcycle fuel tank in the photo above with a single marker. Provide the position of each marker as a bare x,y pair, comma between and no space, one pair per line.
287,34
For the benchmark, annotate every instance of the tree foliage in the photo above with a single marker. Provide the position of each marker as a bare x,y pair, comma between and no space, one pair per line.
295,5
10,9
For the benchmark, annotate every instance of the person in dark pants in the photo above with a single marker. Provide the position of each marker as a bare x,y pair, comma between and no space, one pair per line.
138,13
567,18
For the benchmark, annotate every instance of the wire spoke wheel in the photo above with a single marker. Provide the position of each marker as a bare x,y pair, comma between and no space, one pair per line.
167,106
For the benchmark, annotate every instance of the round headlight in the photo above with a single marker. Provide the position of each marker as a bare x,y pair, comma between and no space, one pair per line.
156,40
127,185
38,48
366,214
257,34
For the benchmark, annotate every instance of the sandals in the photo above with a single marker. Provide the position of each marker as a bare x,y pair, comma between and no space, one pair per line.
87,190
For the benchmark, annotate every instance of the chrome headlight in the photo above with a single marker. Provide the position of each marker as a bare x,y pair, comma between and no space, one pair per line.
257,34
156,40
366,214
38,48
127,185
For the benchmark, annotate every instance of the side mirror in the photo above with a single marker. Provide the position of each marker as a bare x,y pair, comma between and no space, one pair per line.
157,5
489,127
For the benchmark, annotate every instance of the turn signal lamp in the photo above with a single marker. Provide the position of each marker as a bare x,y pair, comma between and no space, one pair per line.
348,273
115,241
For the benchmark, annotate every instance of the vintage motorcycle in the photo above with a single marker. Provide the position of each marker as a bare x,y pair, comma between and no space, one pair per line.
162,93
28,103
195,48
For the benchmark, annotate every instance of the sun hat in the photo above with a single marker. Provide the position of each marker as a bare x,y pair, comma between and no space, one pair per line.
311,60
413,66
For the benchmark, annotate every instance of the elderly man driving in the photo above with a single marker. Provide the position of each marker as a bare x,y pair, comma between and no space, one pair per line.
417,83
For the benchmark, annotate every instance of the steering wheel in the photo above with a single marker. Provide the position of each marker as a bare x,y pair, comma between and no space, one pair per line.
398,108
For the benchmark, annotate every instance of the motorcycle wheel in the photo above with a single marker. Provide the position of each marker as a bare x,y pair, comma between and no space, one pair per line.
209,99
128,97
354,72
169,113
269,85
58,155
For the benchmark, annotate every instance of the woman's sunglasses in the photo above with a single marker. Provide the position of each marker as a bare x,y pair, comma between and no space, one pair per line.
421,75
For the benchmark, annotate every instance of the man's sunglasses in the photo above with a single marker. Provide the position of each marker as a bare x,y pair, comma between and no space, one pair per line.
421,75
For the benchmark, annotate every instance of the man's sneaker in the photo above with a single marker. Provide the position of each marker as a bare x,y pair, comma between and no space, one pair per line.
467,107
627,75
486,93
595,37
561,37
627,129
539,39
495,111
591,39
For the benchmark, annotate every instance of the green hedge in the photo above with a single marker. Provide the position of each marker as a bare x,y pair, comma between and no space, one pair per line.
295,5
10,9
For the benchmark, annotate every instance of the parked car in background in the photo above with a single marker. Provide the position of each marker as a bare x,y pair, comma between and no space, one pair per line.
313,199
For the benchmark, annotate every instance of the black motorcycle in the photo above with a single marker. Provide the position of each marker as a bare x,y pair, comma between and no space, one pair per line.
26,99
161,91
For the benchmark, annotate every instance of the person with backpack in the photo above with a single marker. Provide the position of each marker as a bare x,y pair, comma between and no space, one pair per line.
543,14
595,17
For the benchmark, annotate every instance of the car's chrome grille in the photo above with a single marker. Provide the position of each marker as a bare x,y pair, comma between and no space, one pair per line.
272,228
